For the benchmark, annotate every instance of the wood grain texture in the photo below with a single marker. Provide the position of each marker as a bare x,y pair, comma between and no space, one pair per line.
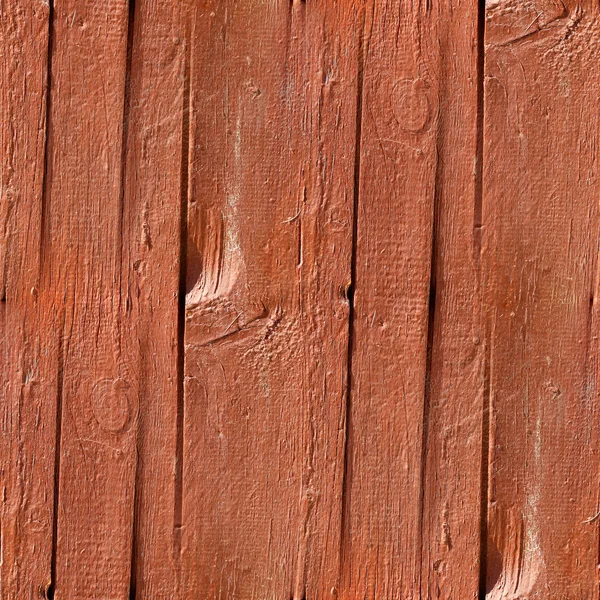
155,176
540,219
266,335
27,345
84,246
298,300
414,437
454,392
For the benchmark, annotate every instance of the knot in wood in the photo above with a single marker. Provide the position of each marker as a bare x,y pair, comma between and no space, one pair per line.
111,404
411,105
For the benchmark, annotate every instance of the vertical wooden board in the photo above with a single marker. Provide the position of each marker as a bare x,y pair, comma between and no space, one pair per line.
85,241
540,219
454,393
412,492
268,263
27,344
155,155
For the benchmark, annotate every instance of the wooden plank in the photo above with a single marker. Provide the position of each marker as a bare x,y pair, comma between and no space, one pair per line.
155,171
412,503
27,346
84,247
454,396
268,257
540,218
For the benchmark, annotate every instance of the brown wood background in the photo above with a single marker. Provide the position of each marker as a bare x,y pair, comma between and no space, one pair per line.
298,299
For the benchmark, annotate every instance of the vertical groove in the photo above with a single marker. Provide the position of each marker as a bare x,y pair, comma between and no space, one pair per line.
185,150
478,204
432,301
134,534
120,234
352,287
590,366
485,448
50,592
59,383
477,239
125,132
45,175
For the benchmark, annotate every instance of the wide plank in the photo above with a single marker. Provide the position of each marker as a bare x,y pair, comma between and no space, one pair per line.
273,127
412,496
84,245
540,247
454,438
155,179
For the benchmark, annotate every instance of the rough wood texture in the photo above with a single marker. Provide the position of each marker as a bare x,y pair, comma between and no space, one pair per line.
298,300
268,257
84,250
412,504
27,343
155,177
540,217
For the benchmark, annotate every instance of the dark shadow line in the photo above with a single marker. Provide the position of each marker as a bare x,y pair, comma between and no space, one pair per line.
477,248
45,174
434,263
50,590
478,204
350,292
122,199
485,447
135,528
184,187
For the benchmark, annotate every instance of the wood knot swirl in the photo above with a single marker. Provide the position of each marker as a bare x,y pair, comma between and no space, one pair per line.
111,404
411,105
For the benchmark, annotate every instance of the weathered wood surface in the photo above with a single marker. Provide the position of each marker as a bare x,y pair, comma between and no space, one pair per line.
28,344
84,248
154,184
540,232
414,436
299,300
269,235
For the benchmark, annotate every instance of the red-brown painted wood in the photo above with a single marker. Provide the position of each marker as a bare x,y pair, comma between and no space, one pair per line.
413,483
455,396
274,87
540,226
84,248
298,300
155,178
28,357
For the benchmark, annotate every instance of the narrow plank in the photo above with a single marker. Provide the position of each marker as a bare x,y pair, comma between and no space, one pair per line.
156,155
412,502
451,479
27,346
268,264
84,246
540,217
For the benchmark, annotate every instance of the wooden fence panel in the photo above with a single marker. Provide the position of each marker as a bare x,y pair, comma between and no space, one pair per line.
412,508
540,223
84,241
298,300
28,351
450,561
268,262
155,179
